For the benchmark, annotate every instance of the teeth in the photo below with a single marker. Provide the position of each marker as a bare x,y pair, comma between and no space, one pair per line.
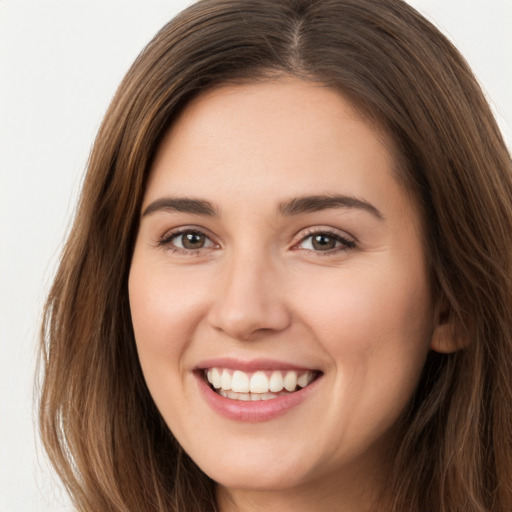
258,383
240,385
290,381
276,383
225,380
304,379
250,397
240,382
216,378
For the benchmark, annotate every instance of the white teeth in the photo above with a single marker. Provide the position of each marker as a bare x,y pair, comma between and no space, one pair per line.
290,381
216,378
250,397
258,383
240,382
239,385
304,379
276,383
225,381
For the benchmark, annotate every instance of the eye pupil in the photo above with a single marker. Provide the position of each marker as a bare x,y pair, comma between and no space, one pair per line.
193,240
323,242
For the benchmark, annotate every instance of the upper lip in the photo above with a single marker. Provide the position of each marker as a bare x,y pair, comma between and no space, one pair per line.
252,365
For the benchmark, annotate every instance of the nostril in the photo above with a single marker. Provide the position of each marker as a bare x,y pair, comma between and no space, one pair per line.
248,307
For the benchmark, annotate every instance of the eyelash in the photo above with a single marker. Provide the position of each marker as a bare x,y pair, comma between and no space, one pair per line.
166,241
346,244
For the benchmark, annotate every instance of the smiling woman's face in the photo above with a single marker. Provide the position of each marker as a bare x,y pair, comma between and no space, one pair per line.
279,258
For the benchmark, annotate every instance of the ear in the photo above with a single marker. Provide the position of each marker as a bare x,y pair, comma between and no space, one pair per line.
447,337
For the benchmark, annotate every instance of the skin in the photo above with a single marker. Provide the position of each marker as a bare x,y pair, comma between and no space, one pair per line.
360,313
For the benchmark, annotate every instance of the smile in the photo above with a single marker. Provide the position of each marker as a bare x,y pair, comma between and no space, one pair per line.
259,385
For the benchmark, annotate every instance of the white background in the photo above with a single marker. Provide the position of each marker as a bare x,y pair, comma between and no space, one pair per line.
60,63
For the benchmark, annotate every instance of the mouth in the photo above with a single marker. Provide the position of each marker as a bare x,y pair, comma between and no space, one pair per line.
260,385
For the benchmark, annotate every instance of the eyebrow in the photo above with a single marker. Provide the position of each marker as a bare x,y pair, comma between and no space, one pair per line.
291,207
182,204
309,204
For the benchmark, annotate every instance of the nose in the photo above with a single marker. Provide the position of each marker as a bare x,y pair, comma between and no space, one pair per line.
250,299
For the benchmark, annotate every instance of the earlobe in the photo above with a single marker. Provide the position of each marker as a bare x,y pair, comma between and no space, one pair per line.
447,338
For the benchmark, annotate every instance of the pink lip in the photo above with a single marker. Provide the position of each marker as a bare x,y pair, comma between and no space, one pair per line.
252,412
249,366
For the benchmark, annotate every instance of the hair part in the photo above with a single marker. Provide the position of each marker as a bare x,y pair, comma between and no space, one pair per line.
99,424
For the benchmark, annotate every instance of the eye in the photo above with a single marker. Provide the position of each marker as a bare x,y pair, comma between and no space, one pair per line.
325,241
187,240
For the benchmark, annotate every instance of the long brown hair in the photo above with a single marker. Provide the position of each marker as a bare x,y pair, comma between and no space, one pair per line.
99,424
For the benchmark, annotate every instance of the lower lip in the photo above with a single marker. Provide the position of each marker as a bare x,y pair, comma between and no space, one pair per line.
252,412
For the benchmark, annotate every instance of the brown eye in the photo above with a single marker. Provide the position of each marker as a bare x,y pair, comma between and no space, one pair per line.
326,242
193,240
189,241
323,242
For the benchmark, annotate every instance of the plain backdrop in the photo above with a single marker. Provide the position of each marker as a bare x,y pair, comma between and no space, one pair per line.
60,64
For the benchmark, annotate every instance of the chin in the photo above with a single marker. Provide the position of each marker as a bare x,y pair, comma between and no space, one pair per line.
252,472
256,479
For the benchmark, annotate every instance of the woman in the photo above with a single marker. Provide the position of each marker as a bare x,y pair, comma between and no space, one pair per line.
288,284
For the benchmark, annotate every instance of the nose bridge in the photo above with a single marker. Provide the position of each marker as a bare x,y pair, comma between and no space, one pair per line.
250,298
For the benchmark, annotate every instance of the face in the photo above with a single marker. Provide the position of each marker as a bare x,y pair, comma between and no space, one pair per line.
278,287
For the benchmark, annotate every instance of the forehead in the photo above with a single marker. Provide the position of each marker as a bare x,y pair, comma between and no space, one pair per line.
287,129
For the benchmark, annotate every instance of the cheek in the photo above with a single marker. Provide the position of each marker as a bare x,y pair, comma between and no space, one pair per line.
368,309
164,315
376,328
165,312
377,336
